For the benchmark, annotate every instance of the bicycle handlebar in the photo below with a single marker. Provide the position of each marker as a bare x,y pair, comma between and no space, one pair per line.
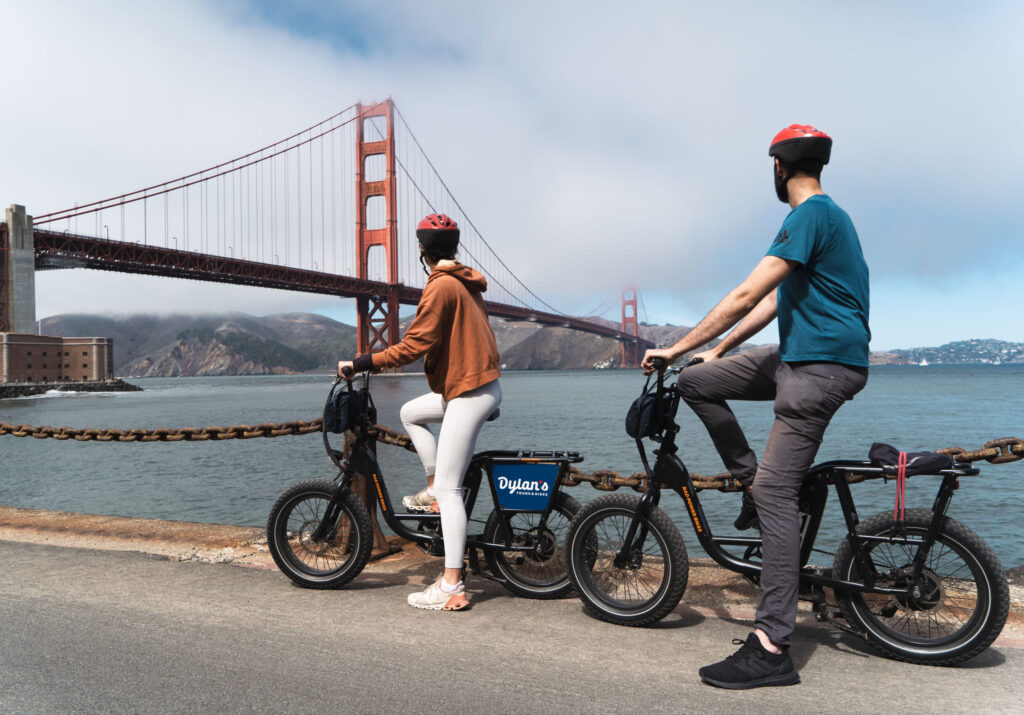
660,365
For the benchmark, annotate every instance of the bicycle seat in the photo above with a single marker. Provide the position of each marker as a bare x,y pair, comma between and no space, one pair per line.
494,415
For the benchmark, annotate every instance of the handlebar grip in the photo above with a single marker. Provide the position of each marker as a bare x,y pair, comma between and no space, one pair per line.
695,361
347,373
659,363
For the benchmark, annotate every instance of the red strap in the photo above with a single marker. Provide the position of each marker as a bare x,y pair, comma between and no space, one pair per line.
901,488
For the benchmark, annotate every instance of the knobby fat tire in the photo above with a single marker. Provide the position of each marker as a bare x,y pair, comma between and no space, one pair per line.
314,495
991,605
497,561
611,514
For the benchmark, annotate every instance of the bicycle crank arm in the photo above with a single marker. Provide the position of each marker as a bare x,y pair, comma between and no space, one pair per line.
822,614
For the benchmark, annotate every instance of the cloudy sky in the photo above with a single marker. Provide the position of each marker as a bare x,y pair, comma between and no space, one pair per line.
594,144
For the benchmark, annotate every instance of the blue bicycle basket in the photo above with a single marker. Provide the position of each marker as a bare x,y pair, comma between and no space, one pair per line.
524,486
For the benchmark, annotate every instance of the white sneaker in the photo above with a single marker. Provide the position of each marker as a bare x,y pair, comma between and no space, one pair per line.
420,501
434,598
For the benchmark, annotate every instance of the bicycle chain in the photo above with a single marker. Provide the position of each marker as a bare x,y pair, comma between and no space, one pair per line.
997,451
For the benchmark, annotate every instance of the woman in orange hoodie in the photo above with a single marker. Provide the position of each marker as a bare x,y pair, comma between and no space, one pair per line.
460,357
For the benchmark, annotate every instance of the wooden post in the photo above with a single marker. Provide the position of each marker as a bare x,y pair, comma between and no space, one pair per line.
362,486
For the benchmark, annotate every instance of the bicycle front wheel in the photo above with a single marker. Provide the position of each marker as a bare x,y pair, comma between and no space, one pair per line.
313,557
647,585
952,611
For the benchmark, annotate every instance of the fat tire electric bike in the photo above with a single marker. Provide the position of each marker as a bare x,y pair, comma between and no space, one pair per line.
320,535
923,589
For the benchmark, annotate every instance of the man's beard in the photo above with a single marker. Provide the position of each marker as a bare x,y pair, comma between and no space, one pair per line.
782,187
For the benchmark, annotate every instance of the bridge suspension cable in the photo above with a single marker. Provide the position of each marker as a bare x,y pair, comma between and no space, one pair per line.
602,308
288,215
489,263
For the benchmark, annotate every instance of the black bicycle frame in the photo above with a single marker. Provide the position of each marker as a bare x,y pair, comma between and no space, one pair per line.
669,471
362,460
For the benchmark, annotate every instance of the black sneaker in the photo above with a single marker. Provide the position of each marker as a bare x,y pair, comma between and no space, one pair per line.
751,667
748,514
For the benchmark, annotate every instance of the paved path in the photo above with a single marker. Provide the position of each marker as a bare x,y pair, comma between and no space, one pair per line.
83,630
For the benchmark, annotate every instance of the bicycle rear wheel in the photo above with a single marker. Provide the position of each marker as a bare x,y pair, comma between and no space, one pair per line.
648,586
327,562
541,571
957,606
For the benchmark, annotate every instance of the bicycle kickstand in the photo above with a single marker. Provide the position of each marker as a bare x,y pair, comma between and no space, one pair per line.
474,561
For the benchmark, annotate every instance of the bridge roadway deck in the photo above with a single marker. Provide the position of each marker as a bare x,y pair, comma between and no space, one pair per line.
57,249
108,627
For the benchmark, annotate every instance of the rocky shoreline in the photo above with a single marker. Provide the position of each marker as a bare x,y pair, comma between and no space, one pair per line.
115,385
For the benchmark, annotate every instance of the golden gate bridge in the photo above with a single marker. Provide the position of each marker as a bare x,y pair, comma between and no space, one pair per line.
331,209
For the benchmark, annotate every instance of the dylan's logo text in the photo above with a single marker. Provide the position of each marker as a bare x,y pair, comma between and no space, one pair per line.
521,485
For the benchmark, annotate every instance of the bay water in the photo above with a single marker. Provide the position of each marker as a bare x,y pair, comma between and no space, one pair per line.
236,482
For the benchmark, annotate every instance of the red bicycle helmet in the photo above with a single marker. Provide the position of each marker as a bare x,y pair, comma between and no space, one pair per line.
438,232
801,141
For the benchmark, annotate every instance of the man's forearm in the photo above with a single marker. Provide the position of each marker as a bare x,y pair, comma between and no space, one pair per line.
722,317
755,295
751,325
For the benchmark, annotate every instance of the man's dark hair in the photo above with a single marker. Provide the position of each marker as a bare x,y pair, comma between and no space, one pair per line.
810,167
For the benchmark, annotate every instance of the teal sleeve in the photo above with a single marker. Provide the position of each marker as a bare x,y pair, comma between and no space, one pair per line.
796,239
792,245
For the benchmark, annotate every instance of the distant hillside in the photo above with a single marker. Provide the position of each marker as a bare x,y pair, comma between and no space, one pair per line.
241,344
982,351
230,344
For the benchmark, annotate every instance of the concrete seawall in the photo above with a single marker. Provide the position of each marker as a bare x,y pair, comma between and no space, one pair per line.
711,590
8,391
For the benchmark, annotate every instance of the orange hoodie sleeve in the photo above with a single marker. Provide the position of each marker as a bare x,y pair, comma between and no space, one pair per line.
423,334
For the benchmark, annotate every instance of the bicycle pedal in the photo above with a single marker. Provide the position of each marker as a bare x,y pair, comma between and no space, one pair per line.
420,515
832,620
432,548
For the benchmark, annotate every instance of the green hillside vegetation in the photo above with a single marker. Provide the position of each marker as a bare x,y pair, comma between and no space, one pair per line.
253,347
326,352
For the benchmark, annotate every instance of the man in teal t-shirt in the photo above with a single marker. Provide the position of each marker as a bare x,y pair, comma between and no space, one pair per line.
815,281
823,306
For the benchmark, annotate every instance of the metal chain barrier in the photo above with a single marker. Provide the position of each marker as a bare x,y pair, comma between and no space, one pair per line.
163,434
997,451
386,435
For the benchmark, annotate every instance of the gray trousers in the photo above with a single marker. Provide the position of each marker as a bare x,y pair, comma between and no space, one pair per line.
806,396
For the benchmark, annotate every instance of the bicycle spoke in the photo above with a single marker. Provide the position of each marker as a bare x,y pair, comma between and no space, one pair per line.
637,581
945,599
539,561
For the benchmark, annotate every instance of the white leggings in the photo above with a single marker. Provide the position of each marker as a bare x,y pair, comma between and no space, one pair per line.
448,458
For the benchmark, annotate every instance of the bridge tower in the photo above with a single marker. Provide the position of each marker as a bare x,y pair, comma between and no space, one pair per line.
17,273
377,326
630,350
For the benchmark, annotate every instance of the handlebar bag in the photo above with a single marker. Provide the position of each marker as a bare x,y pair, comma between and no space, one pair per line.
648,413
344,409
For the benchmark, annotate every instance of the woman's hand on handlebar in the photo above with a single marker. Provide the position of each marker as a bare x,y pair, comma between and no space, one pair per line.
345,369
